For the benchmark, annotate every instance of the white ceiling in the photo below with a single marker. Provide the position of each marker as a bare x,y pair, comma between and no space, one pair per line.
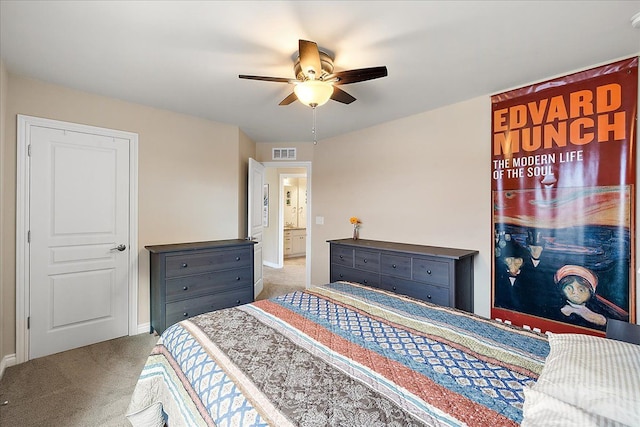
185,56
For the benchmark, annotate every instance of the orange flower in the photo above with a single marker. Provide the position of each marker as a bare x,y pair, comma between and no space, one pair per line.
354,220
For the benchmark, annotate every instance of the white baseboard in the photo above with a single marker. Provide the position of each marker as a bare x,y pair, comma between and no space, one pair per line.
7,361
272,264
144,328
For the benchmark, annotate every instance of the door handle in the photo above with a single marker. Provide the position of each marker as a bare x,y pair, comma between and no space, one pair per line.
120,248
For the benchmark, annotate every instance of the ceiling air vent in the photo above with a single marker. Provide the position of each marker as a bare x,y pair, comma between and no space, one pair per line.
284,154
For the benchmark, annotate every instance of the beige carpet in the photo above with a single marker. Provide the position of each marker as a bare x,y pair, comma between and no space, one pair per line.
280,281
88,386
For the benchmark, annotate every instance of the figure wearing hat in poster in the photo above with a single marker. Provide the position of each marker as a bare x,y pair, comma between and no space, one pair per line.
521,282
578,284
510,256
535,245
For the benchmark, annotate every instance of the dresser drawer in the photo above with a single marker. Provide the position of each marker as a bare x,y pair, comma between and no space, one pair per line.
428,270
339,272
201,284
342,256
434,294
367,260
203,262
393,265
180,310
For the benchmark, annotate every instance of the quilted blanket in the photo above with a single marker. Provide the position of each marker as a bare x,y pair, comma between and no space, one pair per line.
339,355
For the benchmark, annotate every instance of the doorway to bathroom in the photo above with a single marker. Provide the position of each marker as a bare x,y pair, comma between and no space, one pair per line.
286,238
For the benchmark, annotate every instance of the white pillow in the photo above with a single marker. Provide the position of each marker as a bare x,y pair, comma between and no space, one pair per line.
541,410
598,375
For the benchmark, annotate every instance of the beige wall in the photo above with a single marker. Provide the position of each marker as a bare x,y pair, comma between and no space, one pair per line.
191,181
246,150
5,303
422,179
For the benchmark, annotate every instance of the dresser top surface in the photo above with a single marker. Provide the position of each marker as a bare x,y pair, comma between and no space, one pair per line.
193,246
452,253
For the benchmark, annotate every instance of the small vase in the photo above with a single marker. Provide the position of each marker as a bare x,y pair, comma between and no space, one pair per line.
355,233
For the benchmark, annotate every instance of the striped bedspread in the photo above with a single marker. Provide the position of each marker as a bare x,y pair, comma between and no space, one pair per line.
340,355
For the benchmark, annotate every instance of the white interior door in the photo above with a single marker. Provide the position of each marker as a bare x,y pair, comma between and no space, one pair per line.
254,220
79,239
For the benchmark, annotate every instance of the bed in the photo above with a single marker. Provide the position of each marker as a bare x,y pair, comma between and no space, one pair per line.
344,354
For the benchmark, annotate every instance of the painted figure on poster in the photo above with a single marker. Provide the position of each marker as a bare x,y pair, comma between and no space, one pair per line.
509,260
523,282
535,243
578,284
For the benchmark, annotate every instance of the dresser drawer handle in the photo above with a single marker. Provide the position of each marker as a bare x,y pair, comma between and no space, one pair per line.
364,260
341,257
341,275
394,266
184,265
238,302
428,296
394,288
238,278
364,281
237,258
428,271
184,288
185,314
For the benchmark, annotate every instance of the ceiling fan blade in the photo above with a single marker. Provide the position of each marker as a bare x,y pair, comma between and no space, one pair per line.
341,96
310,59
266,79
289,99
359,75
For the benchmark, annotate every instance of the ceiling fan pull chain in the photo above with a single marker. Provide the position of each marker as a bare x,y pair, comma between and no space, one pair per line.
313,129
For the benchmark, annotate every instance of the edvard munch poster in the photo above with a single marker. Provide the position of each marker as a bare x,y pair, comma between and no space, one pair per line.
563,200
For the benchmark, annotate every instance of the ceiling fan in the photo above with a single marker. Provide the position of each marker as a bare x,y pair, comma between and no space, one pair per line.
315,82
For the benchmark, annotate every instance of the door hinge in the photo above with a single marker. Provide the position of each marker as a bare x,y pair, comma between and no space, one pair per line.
29,236
29,322
29,150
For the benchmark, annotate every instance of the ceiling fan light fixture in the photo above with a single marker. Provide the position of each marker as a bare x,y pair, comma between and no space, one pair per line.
313,93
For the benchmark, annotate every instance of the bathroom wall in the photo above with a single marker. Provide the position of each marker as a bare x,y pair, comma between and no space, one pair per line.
295,202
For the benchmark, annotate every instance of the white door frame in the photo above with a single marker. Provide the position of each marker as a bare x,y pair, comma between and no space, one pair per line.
307,166
255,222
23,173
